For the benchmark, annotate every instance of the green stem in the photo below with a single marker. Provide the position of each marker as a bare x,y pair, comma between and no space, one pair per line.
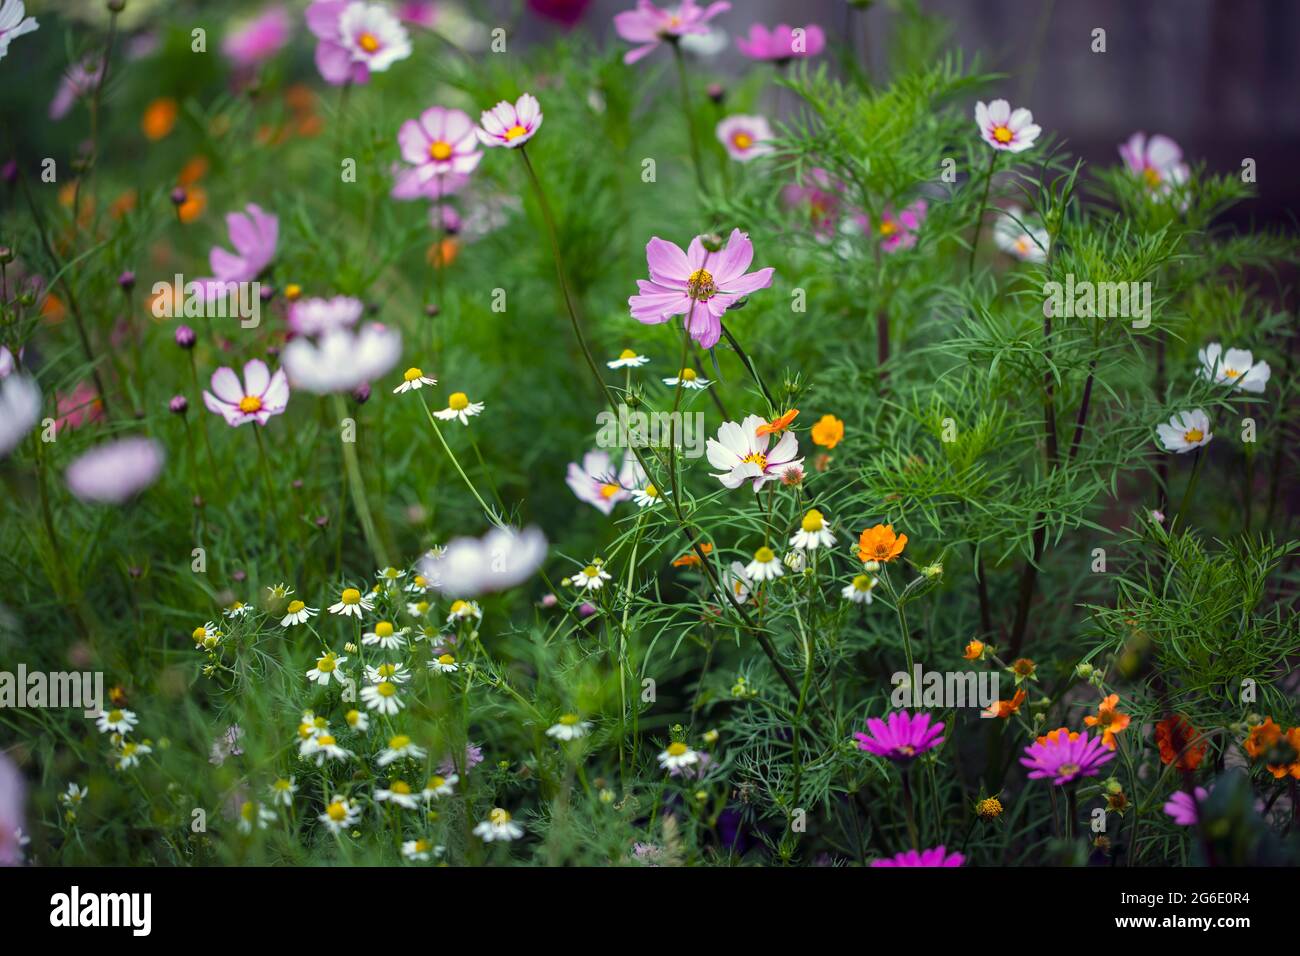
688,114
357,488
979,217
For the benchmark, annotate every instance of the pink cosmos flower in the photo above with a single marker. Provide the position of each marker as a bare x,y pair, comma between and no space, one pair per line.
79,80
260,396
116,471
258,39
1183,808
12,801
80,407
1158,161
7,362
934,857
407,185
901,737
819,197
742,453
440,143
420,13
1003,129
898,230
318,316
510,125
780,44
596,483
681,281
1064,756
649,25
745,137
254,233
355,39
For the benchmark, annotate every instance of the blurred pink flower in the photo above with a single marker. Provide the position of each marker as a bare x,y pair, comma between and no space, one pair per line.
745,137
650,26
318,316
1158,161
81,407
78,80
780,43
260,396
254,234
595,481
511,125
257,40
898,230
564,12
354,39
420,13
12,799
116,471
819,196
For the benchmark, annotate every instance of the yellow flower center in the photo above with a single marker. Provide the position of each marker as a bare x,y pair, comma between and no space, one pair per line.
609,489
114,716
368,42
326,664
813,521
350,596
591,571
1151,177
651,491
295,607
764,555
435,782
569,720
458,401
383,629
626,354
862,583
421,607
499,817
387,670
412,374
888,227
514,132
677,749
249,404
1193,435
128,749
756,458
292,291
688,375
246,811
399,742
446,659
337,811
1067,769
320,723
199,633
385,689
353,717
1231,372
325,740
1002,134
742,141
439,150
458,607
700,285
400,786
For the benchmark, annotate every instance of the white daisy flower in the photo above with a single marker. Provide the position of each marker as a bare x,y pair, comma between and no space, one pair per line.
238,609
461,610
765,566
340,814
647,497
590,578
459,406
814,532
130,753
254,816
116,721
400,793
628,359
358,720
73,796
438,786
311,725
398,747
418,584
382,697
413,378
498,826
795,560
421,849
444,664
297,613
385,636
569,727
206,637
1236,367
418,609
397,673
351,602
678,755
689,378
282,791
389,577
1185,431
859,589
329,665
322,747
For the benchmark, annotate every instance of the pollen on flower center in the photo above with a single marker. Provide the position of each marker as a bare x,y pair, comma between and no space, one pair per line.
764,554
325,664
569,719
609,489
337,812
325,740
1231,372
515,132
742,141
688,375
676,749
756,458
399,742
295,606
439,150
651,491
368,42
383,629
1193,435
626,354
385,689
499,816
350,596
700,286
400,786
1002,134
458,401
249,404
862,583
813,521
446,659
591,571
411,374
114,716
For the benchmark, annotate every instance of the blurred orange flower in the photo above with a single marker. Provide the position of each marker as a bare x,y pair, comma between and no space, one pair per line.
1174,736
828,431
691,558
159,118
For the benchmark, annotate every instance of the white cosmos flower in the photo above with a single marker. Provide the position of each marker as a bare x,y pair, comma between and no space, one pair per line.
352,603
400,793
1185,431
569,727
116,721
859,589
413,378
342,359
503,558
628,359
439,786
498,826
372,35
327,666
590,578
14,23
20,407
765,566
1236,367
297,613
340,814
398,747
741,454
678,755
382,697
814,532
459,406
1014,235
689,378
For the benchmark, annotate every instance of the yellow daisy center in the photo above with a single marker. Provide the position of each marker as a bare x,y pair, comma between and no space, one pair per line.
326,664
446,659
862,583
1002,134
677,749
700,285
399,742
249,404
411,374
385,689
325,740
114,716
435,782
569,720
350,596
591,571
386,670
499,816
458,401
295,607
458,606
337,811
626,354
439,150
199,633
514,132
764,555
400,786
383,629
813,521
688,375
651,491
1193,435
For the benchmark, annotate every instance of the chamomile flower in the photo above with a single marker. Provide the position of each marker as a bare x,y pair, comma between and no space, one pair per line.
444,664
688,378
386,636
677,756
254,816
327,666
382,697
439,786
352,602
237,610
765,566
340,814
459,406
628,359
297,613
116,721
310,725
498,826
859,589
278,591
814,532
569,727
463,610
647,497
418,609
322,747
129,754
390,576
206,637
418,584
397,673
400,793
72,797
358,720
590,578
398,747
421,849
413,378
282,791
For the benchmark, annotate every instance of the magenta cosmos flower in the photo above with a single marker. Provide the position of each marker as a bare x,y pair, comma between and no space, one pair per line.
1065,756
741,453
116,471
440,143
901,737
817,197
897,230
260,396
254,234
355,39
258,39
1184,808
1158,161
681,282
933,857
596,482
782,43
745,137
1001,128
510,125
648,25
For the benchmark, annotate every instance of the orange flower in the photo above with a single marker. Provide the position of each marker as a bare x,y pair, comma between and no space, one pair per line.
1174,736
1023,669
196,200
159,118
1005,708
880,544
1109,719
1262,738
444,253
1054,735
1289,751
692,558
193,170
778,424
53,309
828,431
123,204
974,651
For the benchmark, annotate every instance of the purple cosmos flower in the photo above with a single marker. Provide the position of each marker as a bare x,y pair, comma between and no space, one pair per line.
934,857
254,234
14,23
318,316
745,137
115,471
901,736
1064,756
473,757
1003,129
897,230
781,43
510,125
12,800
258,39
681,281
260,396
355,39
595,482
649,25
80,79
440,143
1184,808
1158,161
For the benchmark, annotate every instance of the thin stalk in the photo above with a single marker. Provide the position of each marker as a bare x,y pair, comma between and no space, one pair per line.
979,216
357,488
687,114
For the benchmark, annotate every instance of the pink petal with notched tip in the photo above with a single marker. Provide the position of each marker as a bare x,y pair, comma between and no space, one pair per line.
667,262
